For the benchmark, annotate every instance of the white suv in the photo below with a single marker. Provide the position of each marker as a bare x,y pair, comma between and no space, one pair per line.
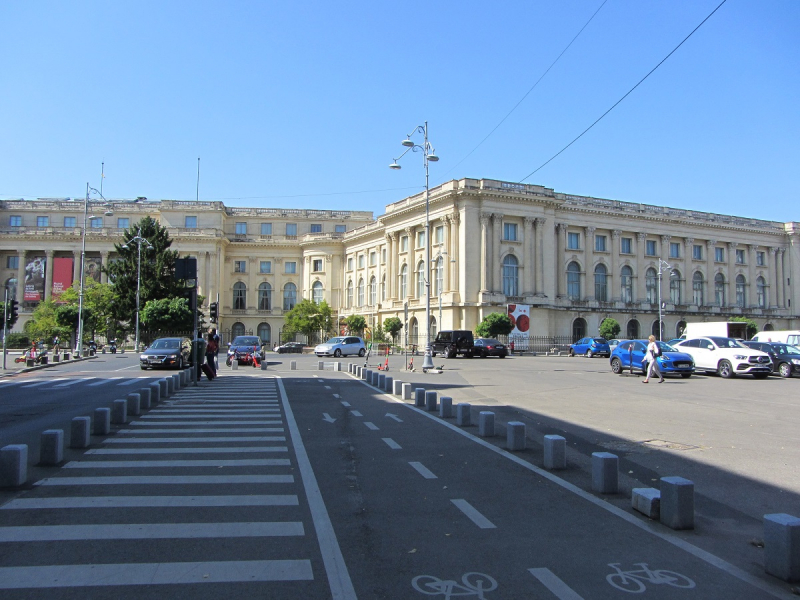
726,356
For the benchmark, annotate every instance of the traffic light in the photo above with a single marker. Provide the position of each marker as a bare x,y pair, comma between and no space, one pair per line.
214,312
13,313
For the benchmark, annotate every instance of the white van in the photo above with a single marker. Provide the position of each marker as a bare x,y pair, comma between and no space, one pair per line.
791,337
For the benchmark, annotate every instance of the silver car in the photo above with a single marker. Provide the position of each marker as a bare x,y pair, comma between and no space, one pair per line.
341,346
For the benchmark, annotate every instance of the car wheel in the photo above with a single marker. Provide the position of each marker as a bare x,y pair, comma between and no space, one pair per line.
228,361
571,352
337,353
686,375
143,368
503,355
616,366
785,370
180,363
451,352
760,375
362,352
589,354
725,369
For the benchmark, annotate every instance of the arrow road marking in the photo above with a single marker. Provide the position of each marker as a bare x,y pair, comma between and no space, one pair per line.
395,417
328,418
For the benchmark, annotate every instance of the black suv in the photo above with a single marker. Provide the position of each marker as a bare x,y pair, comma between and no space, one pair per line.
453,342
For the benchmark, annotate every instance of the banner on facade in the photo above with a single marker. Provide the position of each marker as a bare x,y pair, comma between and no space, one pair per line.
520,315
62,276
34,279
93,268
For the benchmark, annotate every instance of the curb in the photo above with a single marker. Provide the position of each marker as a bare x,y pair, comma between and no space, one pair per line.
47,366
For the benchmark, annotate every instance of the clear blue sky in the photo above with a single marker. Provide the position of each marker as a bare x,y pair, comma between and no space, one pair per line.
304,104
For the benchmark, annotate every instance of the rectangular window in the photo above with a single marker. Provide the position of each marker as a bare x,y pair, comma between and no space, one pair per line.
626,245
740,257
12,262
70,222
350,264
719,254
373,259
650,247
340,228
266,229
43,221
291,229
697,252
15,221
573,241
240,266
760,256
265,267
403,243
190,222
316,265
439,235
291,267
600,243
361,260
96,223
383,256
241,228
421,239
123,223
510,232
674,250
316,228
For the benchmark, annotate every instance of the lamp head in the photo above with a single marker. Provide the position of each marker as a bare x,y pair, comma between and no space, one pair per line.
433,158
407,143
394,166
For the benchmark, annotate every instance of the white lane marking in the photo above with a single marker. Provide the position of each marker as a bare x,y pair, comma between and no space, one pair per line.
149,464
553,583
371,426
336,569
473,514
175,440
346,404
155,573
423,470
148,423
243,450
205,414
102,381
166,480
328,418
392,444
355,413
73,382
44,381
336,396
150,501
139,432
395,417
129,381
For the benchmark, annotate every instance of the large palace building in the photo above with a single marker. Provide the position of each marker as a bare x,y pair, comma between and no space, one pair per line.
574,260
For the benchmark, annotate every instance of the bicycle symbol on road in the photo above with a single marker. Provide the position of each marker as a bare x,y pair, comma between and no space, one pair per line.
633,581
472,584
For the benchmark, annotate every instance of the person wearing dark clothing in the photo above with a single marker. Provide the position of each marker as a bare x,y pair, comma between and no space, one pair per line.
211,352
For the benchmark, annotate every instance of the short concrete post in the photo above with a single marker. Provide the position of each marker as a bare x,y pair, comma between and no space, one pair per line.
51,447
101,424
381,380
431,401
80,432
365,374
375,377
293,365
397,388
605,472
677,503
419,397
170,386
486,423
134,405
155,393
349,367
13,465
555,452
446,407
163,386
119,412
388,382
463,414
144,397
515,436
338,366
235,365
320,366
176,377
406,391
264,364
193,374
782,546
646,501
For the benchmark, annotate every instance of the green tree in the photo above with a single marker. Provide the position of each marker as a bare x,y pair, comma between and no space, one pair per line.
98,302
392,326
43,325
167,314
609,328
494,324
308,317
752,326
356,324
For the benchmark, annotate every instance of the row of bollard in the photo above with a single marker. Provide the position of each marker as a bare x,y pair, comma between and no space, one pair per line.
14,457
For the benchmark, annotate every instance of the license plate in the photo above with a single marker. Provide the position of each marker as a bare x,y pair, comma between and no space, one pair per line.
683,366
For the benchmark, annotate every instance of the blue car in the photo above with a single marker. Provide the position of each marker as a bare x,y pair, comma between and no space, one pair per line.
590,347
671,360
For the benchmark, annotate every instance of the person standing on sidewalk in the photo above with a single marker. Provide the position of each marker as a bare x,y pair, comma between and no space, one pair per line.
653,351
211,352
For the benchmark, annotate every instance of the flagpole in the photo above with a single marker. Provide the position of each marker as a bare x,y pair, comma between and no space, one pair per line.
197,198
102,176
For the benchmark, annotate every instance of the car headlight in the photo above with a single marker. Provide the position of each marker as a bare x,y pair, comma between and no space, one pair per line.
796,361
739,357
143,357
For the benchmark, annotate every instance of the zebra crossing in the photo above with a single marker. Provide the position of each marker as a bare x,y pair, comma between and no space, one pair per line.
211,486
67,382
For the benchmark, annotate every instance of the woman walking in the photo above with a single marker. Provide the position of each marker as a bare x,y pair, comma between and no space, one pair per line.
653,351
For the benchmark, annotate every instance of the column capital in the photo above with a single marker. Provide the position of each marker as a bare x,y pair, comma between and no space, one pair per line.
752,247
529,221
50,253
540,222
781,250
561,227
485,218
641,236
688,241
616,233
590,229
665,239
732,245
455,217
773,251
711,243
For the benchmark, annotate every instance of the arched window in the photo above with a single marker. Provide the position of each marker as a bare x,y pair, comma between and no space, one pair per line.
433,327
578,329
373,291
719,289
403,282
350,294
264,296
264,332
654,330
316,292
626,284
680,328
601,283
237,329
675,282
697,288
421,279
414,332
360,292
761,292
574,282
632,330
769,327
439,276
289,296
651,285
239,296
740,285
383,288
510,275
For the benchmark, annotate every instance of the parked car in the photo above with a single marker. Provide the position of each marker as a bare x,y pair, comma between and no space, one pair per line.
244,347
726,356
290,348
613,344
167,353
590,347
341,346
484,347
671,361
785,358
453,342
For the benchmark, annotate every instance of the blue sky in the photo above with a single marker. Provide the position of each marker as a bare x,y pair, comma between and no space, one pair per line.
304,104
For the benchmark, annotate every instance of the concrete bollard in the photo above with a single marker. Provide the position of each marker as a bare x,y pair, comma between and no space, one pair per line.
176,377
338,366
382,381
646,501
101,424
293,365
170,386
13,465
419,397
155,393
163,386
486,423
782,546
406,392
144,398
119,412
388,384
349,367
431,401
374,378
555,452
51,447
80,432
463,414
677,503
605,472
56,357
320,366
364,373
235,365
134,405
446,407
515,436
264,364
397,388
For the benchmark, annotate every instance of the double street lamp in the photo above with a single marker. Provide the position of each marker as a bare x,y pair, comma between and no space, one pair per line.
138,240
662,264
428,155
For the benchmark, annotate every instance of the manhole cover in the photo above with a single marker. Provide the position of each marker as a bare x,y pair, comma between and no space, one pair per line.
625,447
669,445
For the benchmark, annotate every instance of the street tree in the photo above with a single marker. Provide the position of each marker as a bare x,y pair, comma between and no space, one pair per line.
167,315
494,324
356,324
308,317
98,302
392,326
43,325
609,328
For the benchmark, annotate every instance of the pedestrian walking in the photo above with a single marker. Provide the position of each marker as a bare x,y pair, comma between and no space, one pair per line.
211,352
212,332
653,352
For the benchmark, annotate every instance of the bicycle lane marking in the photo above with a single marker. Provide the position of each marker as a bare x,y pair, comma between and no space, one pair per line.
338,577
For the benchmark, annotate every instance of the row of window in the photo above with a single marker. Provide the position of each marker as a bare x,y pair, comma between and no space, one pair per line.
402,280
265,266
438,240
94,222
266,228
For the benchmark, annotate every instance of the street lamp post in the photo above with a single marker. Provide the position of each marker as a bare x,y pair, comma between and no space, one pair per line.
138,239
428,155
661,265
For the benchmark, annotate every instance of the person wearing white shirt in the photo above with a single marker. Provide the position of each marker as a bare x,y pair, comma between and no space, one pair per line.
652,364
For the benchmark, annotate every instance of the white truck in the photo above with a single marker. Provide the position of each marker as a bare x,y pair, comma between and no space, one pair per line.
729,329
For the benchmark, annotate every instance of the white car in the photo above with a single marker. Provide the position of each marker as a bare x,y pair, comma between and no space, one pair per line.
341,346
726,356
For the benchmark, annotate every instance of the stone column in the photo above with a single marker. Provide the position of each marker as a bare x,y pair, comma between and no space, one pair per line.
388,267
48,274
750,288
104,265
615,280
688,270
539,268
76,265
781,279
641,280
494,259
561,267
455,220
774,278
21,276
710,298
731,278
485,218
589,256
529,256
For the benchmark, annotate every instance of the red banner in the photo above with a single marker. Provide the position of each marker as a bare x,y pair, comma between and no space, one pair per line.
62,276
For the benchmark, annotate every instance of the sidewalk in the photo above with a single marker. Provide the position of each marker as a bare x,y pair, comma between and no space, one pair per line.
15,368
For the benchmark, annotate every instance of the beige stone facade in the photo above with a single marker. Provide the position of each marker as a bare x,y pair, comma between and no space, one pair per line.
576,260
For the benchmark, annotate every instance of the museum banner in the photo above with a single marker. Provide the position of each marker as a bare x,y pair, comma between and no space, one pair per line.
520,315
34,279
62,276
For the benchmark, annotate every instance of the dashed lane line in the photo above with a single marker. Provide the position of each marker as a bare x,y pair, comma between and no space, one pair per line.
249,450
165,480
149,464
473,514
151,501
423,470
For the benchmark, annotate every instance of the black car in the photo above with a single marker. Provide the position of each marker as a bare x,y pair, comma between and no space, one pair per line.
785,358
290,348
167,353
453,342
484,347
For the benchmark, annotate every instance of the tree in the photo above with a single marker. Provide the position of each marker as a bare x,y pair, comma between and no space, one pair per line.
98,302
392,326
167,314
43,325
752,326
609,328
308,317
494,324
356,324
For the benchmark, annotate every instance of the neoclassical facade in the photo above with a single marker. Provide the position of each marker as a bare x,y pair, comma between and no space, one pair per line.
574,259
